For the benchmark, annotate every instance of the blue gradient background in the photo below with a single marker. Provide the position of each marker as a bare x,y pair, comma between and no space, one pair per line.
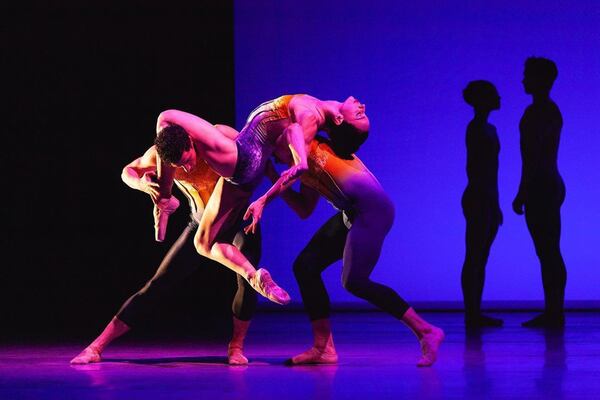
409,61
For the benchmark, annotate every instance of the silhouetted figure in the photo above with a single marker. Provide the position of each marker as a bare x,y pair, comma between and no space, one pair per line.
480,199
542,190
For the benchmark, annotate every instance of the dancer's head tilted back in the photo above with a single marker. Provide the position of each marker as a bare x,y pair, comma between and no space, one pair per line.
539,75
482,96
350,128
174,146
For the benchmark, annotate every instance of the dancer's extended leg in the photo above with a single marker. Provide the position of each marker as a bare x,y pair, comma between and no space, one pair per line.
224,207
93,353
173,269
363,247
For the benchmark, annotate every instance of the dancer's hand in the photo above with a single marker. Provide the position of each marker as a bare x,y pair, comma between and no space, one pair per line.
149,184
255,210
518,204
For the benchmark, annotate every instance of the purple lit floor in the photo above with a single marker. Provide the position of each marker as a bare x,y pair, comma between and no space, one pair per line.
377,361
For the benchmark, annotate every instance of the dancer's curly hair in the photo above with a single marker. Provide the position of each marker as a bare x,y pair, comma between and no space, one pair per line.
171,142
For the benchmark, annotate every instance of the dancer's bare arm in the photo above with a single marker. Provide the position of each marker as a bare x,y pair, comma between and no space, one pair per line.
140,174
303,202
297,135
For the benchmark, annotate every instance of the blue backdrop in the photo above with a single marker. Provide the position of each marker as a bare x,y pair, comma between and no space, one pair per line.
409,61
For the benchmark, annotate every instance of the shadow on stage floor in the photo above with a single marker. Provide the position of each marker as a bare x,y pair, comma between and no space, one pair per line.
377,361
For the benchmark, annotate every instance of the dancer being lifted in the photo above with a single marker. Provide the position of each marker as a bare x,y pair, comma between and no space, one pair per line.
354,235
542,190
480,203
289,121
197,185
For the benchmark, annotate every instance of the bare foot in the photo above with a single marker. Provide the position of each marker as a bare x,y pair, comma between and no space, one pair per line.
87,356
430,344
235,356
315,356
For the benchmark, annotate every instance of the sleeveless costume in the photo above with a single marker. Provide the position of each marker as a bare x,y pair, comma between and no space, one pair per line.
197,185
255,144
327,175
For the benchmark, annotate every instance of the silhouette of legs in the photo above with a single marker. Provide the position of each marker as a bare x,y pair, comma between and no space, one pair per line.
482,227
542,214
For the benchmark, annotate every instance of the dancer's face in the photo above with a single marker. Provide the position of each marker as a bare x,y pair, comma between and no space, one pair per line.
354,113
188,159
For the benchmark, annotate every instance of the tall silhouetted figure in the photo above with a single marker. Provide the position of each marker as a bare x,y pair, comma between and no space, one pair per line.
542,190
480,199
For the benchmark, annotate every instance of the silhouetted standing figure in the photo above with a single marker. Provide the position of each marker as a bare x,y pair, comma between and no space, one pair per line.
480,199
542,190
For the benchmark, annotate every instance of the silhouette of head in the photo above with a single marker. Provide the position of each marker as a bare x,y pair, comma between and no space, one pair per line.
539,75
172,144
482,95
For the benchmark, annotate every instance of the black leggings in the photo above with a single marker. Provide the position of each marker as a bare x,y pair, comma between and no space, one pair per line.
360,252
174,268
542,213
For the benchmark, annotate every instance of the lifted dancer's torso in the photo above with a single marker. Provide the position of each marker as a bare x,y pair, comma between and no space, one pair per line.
263,131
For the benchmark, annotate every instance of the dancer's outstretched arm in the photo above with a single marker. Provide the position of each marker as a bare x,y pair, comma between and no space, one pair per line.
302,202
297,135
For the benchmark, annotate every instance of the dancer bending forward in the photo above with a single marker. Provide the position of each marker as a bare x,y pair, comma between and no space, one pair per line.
197,185
354,235
290,122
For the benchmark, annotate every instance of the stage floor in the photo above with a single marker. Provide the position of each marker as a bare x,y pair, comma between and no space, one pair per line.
377,361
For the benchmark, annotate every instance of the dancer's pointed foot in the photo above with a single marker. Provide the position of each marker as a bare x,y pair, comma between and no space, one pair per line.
235,356
430,344
481,321
262,282
87,356
545,320
315,356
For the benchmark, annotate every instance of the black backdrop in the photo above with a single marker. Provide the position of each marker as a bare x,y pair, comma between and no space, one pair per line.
82,88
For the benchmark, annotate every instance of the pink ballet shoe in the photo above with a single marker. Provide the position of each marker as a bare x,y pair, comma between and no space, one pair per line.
162,210
87,356
235,351
430,344
262,282
323,350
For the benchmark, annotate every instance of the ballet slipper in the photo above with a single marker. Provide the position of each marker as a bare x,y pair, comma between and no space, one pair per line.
262,282
87,356
235,350
92,353
430,344
162,210
323,350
